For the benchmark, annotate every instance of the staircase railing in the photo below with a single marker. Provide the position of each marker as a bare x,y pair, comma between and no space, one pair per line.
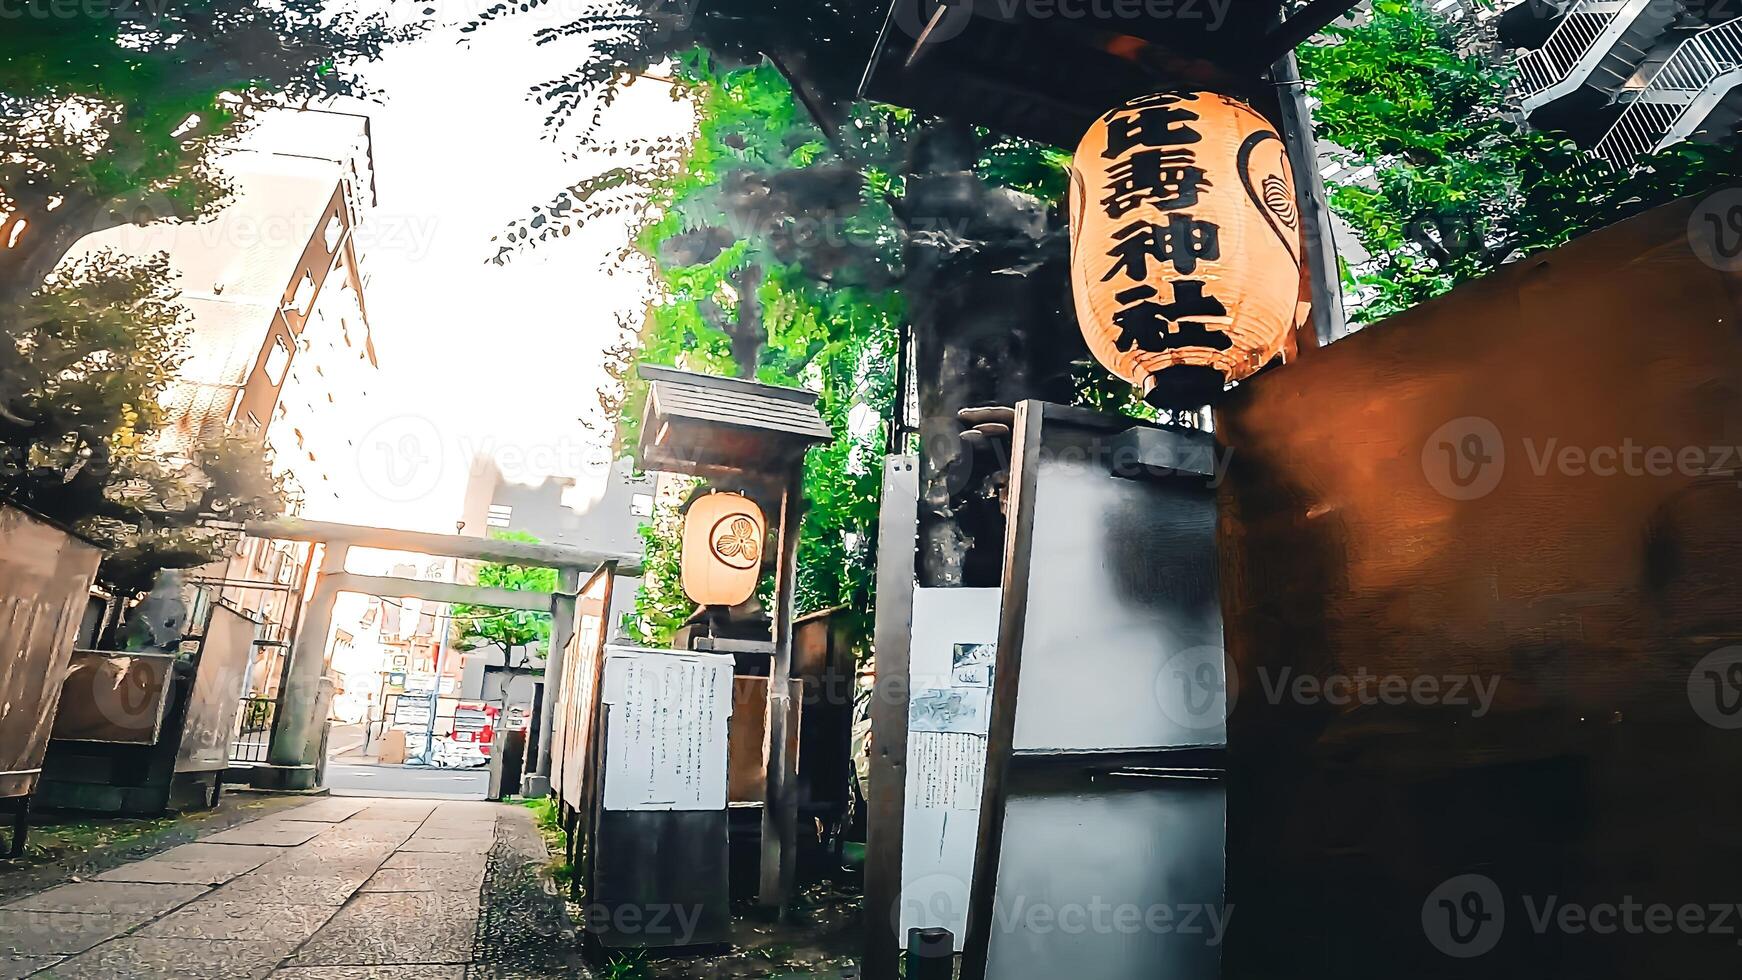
1580,28
1655,113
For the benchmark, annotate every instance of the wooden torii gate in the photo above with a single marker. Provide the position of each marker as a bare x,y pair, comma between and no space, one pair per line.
292,758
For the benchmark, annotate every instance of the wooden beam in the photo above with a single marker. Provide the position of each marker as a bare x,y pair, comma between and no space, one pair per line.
442,545
1307,21
406,588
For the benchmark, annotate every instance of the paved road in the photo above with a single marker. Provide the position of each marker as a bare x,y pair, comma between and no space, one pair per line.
339,888
346,779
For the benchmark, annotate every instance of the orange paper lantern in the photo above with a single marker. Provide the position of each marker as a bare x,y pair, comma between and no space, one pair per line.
1185,244
723,538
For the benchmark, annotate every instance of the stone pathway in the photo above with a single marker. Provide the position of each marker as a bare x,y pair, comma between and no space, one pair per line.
338,889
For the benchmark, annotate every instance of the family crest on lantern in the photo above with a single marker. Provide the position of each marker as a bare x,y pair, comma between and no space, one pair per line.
723,536
1185,244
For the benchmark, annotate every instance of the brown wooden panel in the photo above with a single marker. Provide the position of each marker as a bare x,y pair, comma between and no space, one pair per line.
45,580
114,697
210,722
747,772
1401,505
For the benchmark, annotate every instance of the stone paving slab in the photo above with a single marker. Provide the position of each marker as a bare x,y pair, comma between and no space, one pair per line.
434,859
271,833
213,919
136,958
451,880
60,933
194,864
372,896
115,897
448,845
17,967
376,929
378,831
419,972
397,810
333,809
292,889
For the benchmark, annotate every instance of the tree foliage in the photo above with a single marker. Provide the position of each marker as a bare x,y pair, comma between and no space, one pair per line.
82,370
507,629
109,111
109,114
1460,185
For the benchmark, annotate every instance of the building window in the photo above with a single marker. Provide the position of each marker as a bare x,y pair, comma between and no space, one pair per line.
641,505
305,294
500,515
277,361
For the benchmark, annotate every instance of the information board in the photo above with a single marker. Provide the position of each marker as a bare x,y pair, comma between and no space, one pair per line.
666,716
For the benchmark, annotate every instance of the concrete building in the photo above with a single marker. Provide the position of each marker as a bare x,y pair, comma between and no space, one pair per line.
279,346
554,511
1627,78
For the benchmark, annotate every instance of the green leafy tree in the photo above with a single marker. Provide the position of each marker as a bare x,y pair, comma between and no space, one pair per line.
660,605
109,111
82,370
508,629
1460,185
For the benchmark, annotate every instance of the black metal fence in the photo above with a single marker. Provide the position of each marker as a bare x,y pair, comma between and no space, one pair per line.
253,729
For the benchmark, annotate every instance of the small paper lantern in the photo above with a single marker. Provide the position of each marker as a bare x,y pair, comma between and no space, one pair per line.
1185,244
723,537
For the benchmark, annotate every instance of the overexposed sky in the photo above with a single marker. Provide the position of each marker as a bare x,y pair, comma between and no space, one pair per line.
479,358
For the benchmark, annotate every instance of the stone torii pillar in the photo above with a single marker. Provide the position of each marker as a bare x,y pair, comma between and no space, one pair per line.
294,754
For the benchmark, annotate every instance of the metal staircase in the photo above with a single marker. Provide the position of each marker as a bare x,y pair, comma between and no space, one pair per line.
1694,90
1599,43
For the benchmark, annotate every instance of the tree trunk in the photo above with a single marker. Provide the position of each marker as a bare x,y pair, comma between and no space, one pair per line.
988,296
44,242
746,331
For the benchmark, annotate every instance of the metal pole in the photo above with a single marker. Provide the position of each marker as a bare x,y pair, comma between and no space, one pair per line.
780,809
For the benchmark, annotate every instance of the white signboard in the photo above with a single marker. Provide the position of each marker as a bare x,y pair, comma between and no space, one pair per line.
951,665
665,735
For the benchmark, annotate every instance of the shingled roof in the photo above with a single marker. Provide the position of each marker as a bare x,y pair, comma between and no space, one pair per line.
703,424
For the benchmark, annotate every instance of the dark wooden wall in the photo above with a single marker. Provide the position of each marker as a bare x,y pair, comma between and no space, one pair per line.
1349,544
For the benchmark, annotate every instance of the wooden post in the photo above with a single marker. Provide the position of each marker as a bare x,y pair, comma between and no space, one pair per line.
1328,320
886,807
780,809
